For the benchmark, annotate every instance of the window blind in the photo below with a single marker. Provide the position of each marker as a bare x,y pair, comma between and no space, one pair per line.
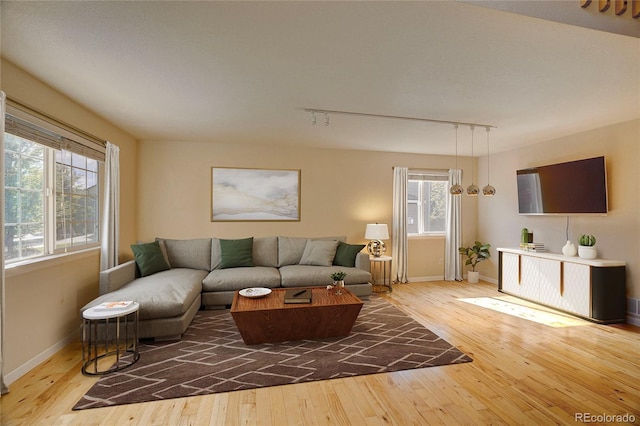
37,128
430,175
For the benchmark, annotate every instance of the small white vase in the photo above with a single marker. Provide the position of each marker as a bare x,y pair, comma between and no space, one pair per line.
473,276
569,249
587,252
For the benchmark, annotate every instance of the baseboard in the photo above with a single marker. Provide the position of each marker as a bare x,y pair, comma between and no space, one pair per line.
489,280
423,279
633,319
633,311
441,278
14,375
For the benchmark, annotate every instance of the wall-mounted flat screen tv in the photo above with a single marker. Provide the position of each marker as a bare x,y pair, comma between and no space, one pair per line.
575,187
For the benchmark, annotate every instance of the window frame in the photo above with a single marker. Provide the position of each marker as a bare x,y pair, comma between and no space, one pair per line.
421,177
74,144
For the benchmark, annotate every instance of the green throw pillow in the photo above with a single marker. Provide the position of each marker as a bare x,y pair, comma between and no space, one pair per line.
346,254
236,253
149,258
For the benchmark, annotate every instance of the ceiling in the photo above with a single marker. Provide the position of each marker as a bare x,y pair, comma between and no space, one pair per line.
243,72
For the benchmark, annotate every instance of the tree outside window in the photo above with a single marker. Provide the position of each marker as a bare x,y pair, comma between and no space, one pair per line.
51,198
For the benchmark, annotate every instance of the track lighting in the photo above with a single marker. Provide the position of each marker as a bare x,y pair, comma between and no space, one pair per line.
456,189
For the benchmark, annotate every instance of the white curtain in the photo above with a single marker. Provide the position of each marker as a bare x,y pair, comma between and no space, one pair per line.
3,387
399,244
111,209
452,262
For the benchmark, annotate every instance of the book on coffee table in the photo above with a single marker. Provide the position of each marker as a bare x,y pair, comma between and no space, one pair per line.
297,295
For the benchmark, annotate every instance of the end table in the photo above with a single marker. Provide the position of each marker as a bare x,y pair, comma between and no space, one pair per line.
100,323
383,266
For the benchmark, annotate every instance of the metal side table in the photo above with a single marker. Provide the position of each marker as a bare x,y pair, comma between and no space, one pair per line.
108,333
381,265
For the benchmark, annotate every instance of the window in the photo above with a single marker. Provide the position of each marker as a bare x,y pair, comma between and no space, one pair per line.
52,193
426,203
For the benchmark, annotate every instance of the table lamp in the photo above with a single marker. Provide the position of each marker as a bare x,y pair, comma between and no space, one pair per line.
376,233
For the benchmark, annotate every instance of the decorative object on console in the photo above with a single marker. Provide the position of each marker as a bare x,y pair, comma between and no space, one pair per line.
525,239
376,233
585,247
534,247
477,253
569,249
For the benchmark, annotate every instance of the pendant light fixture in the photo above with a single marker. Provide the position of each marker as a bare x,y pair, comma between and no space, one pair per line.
472,189
457,188
488,190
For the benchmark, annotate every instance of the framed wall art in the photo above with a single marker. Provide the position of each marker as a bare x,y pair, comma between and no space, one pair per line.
254,195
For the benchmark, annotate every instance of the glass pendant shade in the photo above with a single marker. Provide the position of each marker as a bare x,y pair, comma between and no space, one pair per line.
473,190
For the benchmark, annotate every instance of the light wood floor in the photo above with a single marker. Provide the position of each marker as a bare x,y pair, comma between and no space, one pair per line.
523,373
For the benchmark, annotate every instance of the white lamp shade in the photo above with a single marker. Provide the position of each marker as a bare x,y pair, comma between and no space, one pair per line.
377,231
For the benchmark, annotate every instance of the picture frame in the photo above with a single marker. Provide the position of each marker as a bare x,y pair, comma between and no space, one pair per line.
246,194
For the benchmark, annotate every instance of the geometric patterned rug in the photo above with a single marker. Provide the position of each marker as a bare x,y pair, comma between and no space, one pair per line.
211,357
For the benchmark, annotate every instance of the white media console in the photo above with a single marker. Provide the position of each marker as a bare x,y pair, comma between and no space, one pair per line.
594,289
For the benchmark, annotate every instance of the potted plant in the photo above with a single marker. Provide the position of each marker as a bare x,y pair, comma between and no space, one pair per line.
338,281
477,253
585,246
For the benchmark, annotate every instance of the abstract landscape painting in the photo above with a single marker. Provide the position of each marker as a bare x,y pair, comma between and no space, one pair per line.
254,194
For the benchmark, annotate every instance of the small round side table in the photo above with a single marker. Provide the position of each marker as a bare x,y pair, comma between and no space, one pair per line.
383,266
98,325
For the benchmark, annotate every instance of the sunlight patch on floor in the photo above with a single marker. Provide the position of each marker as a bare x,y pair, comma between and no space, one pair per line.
524,310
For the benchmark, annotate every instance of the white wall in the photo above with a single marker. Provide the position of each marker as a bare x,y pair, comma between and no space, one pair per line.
618,233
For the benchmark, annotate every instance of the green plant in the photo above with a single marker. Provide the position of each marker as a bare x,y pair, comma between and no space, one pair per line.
338,276
587,240
477,253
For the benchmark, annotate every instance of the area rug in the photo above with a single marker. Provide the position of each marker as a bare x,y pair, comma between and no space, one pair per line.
211,357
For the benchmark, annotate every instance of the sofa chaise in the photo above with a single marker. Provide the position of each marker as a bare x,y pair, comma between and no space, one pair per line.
173,279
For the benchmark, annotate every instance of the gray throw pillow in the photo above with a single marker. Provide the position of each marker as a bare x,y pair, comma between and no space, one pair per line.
319,253
236,253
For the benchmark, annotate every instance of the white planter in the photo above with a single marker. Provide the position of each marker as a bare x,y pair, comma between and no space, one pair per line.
587,252
473,276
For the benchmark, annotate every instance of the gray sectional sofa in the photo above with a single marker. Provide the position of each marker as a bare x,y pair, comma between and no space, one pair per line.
172,279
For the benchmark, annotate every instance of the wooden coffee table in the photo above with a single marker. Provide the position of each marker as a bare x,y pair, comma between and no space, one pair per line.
269,319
